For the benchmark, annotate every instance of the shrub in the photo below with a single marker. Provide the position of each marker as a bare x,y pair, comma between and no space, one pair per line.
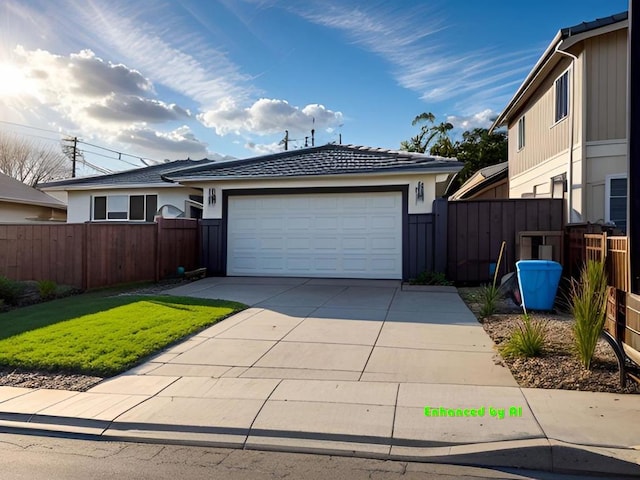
431,278
588,302
489,296
528,339
47,288
10,290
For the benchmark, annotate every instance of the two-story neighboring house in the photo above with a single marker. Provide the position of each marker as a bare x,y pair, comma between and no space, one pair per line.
567,123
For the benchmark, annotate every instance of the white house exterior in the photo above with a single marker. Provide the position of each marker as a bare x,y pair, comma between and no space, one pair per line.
330,211
134,196
567,123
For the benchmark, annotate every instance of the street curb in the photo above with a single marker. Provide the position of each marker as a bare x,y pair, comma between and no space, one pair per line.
532,454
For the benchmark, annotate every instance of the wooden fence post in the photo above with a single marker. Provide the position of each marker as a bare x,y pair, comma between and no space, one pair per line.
440,207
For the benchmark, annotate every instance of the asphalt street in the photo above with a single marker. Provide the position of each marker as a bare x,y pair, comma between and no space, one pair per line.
26,457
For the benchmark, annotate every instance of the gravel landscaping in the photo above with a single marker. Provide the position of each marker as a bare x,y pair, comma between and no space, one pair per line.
558,367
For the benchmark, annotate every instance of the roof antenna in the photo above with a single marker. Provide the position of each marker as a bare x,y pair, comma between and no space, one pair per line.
285,140
313,132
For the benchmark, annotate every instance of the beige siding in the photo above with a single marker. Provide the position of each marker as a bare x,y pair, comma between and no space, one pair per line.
606,67
543,138
21,213
500,190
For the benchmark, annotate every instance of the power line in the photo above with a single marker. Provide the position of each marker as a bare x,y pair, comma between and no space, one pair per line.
120,154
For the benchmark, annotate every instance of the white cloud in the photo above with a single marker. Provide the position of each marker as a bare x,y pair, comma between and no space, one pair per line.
264,148
179,143
205,74
90,91
482,119
269,116
135,109
421,61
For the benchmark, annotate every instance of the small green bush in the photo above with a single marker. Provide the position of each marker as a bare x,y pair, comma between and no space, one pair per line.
10,290
431,278
528,339
489,296
588,301
47,288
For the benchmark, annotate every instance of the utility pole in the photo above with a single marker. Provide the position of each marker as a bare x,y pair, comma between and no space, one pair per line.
72,152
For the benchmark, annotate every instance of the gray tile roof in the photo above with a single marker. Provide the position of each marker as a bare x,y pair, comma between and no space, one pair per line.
14,191
324,160
599,22
146,175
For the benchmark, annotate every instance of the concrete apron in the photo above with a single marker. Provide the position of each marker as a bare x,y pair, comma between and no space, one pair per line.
342,367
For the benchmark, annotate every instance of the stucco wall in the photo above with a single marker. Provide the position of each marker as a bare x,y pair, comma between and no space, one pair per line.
79,202
20,213
414,206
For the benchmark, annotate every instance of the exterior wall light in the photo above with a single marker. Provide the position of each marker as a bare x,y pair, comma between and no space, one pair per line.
420,192
212,196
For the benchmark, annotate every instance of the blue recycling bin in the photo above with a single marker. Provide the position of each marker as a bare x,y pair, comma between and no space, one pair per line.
538,280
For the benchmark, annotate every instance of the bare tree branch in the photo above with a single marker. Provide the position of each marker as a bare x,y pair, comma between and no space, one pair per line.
30,162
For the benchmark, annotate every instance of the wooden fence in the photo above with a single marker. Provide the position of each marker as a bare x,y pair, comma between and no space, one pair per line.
94,255
476,229
613,251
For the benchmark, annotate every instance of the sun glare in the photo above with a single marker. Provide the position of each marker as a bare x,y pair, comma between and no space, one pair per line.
12,81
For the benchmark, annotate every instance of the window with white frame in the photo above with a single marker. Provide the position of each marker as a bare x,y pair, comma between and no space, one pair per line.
562,96
140,208
616,200
521,132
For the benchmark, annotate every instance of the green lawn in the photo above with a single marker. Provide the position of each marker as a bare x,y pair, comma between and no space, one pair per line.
97,335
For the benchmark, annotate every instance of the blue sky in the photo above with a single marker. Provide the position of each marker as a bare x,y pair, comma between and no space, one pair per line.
194,78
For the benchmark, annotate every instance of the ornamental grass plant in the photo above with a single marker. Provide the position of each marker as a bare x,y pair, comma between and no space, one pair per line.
528,339
588,302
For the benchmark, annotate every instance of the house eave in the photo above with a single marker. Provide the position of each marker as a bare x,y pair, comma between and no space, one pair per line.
111,187
414,171
19,201
562,41
527,83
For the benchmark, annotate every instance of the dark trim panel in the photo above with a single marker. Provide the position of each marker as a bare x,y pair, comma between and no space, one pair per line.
212,246
221,249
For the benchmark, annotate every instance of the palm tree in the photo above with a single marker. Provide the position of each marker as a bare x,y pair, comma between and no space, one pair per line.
430,132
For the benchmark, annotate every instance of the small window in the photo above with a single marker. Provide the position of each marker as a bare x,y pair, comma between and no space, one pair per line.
136,207
521,133
151,207
562,96
99,208
616,201
139,208
117,207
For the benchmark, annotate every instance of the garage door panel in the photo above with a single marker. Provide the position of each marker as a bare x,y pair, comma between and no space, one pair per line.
330,235
354,222
358,244
384,222
298,223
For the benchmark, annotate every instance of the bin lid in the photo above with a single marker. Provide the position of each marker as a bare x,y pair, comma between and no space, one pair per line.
538,265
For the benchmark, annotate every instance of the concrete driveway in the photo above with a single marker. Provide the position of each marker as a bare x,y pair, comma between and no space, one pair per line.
346,367
355,330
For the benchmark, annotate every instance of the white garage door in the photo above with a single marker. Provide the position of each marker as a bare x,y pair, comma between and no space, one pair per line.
348,235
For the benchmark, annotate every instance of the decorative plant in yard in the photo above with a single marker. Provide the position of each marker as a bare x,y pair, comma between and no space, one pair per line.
10,290
528,339
47,288
588,302
431,278
489,296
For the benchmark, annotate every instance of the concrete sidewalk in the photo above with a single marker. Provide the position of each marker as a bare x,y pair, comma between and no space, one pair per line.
343,367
